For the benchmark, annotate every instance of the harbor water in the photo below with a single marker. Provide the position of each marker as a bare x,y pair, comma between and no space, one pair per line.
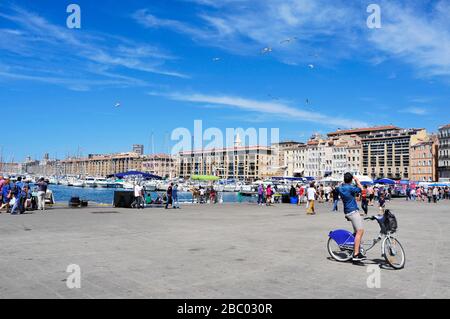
62,194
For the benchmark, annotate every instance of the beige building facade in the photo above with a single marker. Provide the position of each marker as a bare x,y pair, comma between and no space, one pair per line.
163,165
102,165
385,150
242,163
424,157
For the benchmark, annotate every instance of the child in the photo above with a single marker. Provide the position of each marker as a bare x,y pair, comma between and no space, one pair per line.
381,203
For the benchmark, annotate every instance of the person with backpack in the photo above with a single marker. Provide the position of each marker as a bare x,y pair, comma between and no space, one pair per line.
348,194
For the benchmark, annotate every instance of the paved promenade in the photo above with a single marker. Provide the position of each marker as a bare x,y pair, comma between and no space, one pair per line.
223,251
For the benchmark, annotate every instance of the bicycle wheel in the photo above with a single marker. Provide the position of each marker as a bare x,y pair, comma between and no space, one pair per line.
338,253
394,253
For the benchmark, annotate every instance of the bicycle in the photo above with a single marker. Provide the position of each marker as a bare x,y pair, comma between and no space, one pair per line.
341,244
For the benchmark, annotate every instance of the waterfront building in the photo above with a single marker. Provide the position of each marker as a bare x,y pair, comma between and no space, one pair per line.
385,150
102,165
346,155
44,167
318,158
11,168
247,163
280,167
294,159
163,165
424,159
444,153
325,157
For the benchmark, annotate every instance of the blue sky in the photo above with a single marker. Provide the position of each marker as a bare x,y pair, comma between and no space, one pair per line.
171,62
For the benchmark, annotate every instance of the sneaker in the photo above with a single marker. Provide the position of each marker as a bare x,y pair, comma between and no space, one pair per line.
359,257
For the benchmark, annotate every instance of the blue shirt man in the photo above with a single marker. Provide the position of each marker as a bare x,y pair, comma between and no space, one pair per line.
348,193
19,187
351,211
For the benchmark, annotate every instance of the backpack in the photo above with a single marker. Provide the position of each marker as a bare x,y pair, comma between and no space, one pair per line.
390,221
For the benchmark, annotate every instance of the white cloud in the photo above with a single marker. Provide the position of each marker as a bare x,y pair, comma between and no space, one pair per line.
275,109
266,23
420,39
35,44
414,32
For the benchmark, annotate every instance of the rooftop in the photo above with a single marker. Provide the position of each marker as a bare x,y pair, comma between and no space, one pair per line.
364,130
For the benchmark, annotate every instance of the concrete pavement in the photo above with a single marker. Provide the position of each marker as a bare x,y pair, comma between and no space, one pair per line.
223,251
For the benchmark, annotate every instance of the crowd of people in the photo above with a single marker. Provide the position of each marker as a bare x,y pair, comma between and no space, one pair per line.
432,194
370,195
200,195
18,196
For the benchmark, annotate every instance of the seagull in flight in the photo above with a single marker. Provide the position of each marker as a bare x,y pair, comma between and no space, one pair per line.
288,40
266,50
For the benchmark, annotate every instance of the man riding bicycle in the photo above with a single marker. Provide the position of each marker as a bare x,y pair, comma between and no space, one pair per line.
348,192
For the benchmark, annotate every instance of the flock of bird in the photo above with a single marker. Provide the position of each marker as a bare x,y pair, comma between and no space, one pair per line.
264,51
269,49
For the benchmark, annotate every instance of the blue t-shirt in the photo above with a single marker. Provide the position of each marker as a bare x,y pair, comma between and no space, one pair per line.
19,187
348,193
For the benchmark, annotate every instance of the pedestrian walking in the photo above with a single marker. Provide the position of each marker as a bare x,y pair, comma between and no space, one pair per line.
335,196
364,200
311,195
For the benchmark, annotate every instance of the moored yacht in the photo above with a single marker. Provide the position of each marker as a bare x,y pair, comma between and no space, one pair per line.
101,182
90,182
78,183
